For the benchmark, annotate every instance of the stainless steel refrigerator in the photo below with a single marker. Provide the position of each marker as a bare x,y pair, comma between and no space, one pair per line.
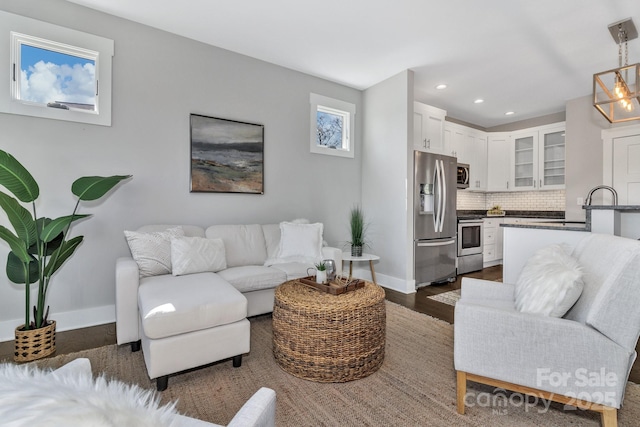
434,218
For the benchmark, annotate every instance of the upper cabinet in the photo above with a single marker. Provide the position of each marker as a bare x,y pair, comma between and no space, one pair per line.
498,162
428,128
470,147
538,158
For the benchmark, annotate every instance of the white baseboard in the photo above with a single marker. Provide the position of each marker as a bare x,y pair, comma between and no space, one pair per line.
390,282
66,321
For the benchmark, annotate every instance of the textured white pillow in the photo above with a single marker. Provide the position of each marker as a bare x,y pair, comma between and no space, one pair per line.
300,242
152,251
197,254
550,282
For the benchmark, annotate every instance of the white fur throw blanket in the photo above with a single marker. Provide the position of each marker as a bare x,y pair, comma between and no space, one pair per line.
42,398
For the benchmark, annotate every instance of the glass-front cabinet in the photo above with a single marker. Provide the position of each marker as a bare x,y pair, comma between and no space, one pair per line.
524,162
552,159
538,158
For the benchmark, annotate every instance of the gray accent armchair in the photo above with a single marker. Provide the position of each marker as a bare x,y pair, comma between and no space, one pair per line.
582,359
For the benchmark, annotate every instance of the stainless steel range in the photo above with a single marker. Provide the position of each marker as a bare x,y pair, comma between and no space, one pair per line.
469,245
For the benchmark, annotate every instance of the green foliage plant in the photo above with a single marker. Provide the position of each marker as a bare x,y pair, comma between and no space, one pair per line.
321,266
40,245
357,227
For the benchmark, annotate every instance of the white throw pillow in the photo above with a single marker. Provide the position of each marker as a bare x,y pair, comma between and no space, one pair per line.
550,282
300,242
196,255
152,251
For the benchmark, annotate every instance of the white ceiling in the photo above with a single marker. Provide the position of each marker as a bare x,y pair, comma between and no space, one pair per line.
527,56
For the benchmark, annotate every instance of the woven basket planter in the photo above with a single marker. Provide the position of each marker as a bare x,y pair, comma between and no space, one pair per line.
35,343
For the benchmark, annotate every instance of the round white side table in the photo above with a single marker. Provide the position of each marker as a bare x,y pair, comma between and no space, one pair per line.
346,256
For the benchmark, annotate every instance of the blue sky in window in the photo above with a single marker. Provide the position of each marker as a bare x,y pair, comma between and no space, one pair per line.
49,76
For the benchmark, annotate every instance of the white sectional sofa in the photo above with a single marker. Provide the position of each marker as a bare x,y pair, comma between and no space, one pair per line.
198,317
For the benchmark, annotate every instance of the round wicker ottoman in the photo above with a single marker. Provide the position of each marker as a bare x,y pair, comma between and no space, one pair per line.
329,338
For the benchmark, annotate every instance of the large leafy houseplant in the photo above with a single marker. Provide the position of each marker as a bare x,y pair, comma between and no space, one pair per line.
39,245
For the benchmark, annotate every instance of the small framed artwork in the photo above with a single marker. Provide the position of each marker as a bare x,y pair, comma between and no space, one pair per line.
227,156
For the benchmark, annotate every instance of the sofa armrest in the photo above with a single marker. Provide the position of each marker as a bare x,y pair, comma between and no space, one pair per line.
485,289
545,353
335,254
127,318
258,411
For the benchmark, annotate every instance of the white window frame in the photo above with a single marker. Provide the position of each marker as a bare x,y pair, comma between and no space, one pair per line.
22,30
333,106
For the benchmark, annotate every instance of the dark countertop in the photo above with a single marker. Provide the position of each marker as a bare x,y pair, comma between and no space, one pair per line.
516,214
552,225
574,225
612,208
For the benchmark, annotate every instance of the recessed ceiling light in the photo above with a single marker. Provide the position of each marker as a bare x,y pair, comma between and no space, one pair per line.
478,101
441,86
509,113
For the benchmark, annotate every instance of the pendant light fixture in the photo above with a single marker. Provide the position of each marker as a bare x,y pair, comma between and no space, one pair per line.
616,93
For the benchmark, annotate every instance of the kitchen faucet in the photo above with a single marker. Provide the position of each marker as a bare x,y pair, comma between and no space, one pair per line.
605,187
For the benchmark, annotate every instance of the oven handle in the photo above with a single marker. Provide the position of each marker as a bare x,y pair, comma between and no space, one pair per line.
443,243
470,221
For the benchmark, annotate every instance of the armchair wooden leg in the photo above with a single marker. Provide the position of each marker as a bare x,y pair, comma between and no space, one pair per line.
461,390
609,417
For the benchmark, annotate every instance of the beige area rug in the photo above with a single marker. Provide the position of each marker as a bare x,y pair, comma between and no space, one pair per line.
414,387
449,298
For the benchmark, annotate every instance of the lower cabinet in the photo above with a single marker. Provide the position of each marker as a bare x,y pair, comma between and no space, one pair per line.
492,241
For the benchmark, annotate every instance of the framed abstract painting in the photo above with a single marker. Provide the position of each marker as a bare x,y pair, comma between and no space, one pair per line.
227,156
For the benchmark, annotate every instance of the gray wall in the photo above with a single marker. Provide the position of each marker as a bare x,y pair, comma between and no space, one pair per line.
385,169
529,123
583,166
159,79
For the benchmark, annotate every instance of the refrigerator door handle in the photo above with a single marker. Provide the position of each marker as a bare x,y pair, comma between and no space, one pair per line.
438,192
436,196
443,201
431,244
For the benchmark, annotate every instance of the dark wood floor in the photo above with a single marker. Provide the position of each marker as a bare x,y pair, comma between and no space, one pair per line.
101,335
419,302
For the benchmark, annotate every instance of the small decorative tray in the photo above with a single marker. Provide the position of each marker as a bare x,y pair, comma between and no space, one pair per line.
335,287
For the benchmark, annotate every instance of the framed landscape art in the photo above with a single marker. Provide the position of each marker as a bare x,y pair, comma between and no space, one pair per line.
227,156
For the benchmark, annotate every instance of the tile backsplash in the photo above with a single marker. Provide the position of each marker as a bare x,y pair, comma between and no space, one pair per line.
553,200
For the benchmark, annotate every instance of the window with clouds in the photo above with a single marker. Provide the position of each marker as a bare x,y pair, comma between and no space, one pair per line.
56,72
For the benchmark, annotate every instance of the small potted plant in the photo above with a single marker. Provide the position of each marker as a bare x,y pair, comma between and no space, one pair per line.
39,247
321,272
357,229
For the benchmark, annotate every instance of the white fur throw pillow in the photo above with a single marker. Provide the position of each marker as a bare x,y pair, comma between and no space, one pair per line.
196,255
152,251
550,282
32,397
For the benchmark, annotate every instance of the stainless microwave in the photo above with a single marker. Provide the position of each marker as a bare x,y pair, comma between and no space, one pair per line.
463,175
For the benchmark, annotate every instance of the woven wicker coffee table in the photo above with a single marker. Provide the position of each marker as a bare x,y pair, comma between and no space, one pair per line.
329,338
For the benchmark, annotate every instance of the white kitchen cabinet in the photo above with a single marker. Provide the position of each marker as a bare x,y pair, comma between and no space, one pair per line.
428,128
498,162
470,147
478,164
551,171
492,235
538,158
458,143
